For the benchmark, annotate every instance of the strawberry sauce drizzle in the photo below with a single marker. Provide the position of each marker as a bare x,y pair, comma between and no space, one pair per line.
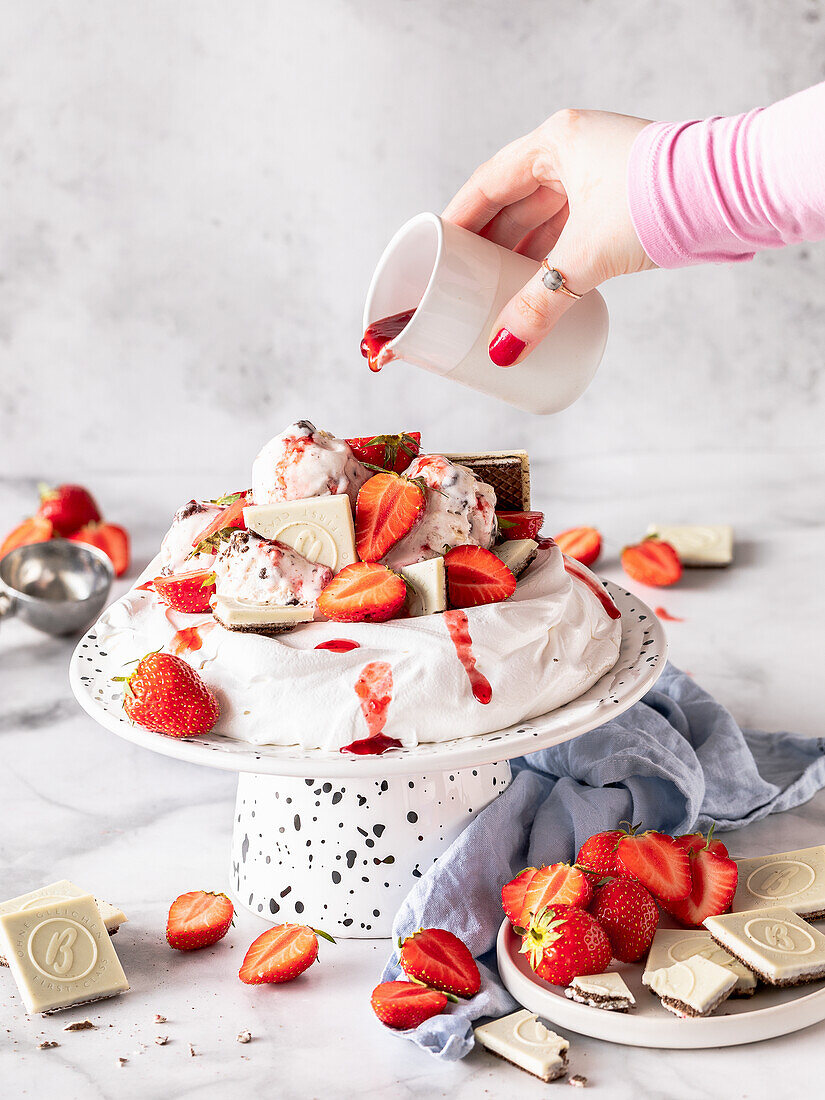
662,613
380,333
459,631
597,590
147,586
374,689
338,645
189,639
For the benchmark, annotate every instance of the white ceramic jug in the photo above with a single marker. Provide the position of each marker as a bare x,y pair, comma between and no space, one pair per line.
458,282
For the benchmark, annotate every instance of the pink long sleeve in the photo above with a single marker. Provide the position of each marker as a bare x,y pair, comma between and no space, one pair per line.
721,189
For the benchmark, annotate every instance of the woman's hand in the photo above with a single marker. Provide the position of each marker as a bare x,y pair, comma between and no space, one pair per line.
561,190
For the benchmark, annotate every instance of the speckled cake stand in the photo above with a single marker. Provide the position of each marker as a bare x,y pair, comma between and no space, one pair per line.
337,840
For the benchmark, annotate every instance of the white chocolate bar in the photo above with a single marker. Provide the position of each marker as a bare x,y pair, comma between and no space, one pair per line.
705,544
242,615
795,879
61,891
523,1040
426,586
517,554
672,945
601,991
320,529
693,987
776,944
60,955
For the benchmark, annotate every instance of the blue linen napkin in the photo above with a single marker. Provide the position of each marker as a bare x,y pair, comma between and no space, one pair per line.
676,761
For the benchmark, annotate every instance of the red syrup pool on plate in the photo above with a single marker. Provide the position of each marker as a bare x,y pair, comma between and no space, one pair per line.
374,688
459,631
597,590
380,333
339,645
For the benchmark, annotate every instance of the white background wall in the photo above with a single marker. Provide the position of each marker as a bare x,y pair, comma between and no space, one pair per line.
193,196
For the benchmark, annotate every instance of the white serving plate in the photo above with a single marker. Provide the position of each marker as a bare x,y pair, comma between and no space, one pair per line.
641,660
768,1013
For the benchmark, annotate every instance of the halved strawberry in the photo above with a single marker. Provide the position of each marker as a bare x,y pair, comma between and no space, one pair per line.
390,452
281,954
657,862
694,842
111,539
652,562
34,529
363,592
558,884
440,960
388,508
476,576
628,914
582,543
713,884
188,592
598,853
519,525
403,1005
513,894
69,507
230,516
198,919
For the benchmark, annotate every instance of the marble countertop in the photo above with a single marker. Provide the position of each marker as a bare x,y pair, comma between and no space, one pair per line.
139,829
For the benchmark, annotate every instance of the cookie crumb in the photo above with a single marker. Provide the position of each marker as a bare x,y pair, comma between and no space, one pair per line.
192,1051
48,1044
81,1025
244,1036
160,1019
577,1081
162,1040
122,1062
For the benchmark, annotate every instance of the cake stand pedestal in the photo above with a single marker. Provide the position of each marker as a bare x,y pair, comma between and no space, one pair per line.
336,840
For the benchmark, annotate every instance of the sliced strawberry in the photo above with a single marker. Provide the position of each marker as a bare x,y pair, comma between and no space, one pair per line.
188,592
564,943
439,959
198,919
598,854
166,695
390,452
403,1005
363,592
582,543
713,884
558,884
652,562
69,507
281,954
628,914
519,525
35,529
388,508
111,539
694,842
513,894
476,576
231,515
657,862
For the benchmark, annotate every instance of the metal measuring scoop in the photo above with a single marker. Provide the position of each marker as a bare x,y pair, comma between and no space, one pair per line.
59,586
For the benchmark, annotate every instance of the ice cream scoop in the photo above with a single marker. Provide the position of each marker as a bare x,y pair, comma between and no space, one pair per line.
58,587
304,462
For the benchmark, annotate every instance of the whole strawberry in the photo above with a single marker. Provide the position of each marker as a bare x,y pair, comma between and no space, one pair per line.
439,959
628,914
68,507
166,695
598,854
563,943
198,919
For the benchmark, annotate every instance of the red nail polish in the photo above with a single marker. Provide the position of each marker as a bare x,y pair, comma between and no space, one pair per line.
505,348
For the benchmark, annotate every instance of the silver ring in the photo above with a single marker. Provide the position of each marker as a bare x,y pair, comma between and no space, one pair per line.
554,280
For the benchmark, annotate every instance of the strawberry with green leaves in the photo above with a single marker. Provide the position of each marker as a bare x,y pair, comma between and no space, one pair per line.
165,694
281,954
598,853
519,525
404,1005
564,943
68,508
188,592
390,452
198,919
